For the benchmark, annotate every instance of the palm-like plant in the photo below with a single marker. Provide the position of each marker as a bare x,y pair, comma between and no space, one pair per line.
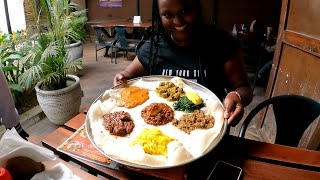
60,26
68,25
48,61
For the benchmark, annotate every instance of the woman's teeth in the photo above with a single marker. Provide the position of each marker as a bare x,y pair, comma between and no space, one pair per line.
181,28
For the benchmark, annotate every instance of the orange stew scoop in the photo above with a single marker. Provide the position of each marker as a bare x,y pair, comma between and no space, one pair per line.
132,96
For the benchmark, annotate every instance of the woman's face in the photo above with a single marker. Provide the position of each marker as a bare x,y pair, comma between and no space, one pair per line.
178,17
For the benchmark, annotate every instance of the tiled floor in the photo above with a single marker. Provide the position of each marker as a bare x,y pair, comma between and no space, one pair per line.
95,78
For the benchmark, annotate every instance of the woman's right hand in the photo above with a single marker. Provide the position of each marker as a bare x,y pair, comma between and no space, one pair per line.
135,69
119,79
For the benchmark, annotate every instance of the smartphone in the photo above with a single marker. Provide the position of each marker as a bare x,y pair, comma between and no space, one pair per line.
225,171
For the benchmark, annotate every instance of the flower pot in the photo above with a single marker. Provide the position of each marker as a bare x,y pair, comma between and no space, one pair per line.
75,51
61,105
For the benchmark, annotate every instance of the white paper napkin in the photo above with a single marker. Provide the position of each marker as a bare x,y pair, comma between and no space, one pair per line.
12,145
58,172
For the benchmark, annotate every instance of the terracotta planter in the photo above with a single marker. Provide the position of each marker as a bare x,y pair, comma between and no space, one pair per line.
63,104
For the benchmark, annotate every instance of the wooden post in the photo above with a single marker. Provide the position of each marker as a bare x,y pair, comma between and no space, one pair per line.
138,7
7,16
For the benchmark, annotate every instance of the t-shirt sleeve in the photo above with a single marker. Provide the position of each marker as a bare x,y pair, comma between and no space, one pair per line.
144,54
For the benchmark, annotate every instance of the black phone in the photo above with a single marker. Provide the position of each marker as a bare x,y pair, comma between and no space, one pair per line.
225,171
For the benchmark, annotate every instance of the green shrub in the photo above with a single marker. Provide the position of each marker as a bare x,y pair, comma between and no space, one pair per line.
11,66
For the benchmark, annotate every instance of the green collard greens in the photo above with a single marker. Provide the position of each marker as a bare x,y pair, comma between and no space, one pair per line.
185,105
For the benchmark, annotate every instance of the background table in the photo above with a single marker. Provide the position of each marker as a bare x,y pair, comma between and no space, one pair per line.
127,24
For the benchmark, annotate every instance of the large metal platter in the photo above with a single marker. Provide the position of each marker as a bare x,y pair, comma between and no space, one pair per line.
192,84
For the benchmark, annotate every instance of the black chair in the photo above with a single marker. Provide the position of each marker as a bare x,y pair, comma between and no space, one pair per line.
125,43
104,39
293,115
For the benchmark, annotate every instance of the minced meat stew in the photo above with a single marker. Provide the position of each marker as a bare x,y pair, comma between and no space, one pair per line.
118,123
195,120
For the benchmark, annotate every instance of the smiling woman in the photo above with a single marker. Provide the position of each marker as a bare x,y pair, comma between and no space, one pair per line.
179,18
176,49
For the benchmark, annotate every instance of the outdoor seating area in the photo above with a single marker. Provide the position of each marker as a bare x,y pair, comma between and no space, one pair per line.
124,89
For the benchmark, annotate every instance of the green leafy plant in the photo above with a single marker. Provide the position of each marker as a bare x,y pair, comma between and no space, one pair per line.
12,69
78,21
61,17
47,61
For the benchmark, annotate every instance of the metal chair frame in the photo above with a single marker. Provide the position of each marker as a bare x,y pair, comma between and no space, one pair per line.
124,43
293,114
104,39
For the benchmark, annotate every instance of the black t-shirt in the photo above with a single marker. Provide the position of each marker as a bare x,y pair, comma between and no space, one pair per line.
202,62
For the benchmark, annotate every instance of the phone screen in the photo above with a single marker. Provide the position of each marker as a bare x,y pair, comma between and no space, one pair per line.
225,171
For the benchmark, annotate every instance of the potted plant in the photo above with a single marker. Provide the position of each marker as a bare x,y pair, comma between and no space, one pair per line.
48,63
74,44
59,94
70,23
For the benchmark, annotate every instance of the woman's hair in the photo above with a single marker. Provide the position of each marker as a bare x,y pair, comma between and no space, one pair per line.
158,31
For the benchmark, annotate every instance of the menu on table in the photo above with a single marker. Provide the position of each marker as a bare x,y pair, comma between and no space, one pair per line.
79,145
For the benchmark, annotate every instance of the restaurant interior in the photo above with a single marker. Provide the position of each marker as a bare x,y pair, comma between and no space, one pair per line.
277,138
227,14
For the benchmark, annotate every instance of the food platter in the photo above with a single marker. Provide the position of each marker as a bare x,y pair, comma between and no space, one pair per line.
193,147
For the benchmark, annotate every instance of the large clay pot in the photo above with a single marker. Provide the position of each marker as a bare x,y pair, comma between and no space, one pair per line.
61,105
75,51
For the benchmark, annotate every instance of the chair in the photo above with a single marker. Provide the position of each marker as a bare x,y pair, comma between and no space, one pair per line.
293,114
124,43
104,39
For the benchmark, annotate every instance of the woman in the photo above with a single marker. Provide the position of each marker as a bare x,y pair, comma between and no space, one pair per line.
176,48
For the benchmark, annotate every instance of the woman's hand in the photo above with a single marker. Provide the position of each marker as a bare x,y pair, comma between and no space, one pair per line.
119,79
234,109
242,94
135,69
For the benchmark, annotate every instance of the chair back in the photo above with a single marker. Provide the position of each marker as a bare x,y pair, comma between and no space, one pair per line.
102,35
293,115
126,41
121,31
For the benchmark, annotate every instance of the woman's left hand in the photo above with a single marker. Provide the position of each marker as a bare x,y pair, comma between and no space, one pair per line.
234,109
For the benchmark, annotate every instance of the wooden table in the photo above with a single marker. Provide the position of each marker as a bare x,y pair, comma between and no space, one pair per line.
127,24
258,160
